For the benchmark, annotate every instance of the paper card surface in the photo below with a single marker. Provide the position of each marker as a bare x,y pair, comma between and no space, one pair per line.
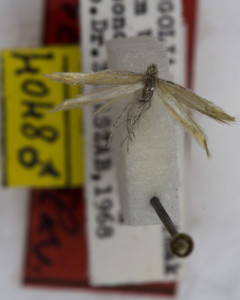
126,254
40,149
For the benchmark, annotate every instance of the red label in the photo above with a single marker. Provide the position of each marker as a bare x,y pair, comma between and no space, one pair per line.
57,242
61,22
190,14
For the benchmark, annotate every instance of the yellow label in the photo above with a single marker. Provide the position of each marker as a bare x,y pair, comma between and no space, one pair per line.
40,149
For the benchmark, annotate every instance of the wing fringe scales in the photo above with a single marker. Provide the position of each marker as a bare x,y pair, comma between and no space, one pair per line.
188,98
182,117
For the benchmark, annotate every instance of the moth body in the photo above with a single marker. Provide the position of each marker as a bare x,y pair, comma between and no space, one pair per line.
149,81
174,97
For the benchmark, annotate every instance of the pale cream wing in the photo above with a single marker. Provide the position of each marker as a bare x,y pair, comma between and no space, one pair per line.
98,78
108,104
179,113
99,95
188,98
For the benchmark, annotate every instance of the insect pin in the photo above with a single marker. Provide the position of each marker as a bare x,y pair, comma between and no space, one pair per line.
174,97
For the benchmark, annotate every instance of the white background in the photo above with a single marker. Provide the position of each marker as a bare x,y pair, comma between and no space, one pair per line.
212,272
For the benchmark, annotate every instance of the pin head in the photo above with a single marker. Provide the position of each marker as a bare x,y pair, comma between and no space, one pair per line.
181,244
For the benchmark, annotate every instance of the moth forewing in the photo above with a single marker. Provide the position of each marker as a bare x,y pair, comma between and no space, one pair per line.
181,116
97,78
188,98
99,95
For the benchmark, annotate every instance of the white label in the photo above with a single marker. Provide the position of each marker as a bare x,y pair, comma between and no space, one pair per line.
118,253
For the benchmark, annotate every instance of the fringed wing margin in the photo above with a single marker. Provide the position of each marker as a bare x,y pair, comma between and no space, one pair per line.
191,100
179,113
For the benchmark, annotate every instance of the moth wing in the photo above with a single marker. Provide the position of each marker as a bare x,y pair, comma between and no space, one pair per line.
188,98
182,117
99,95
98,78
107,105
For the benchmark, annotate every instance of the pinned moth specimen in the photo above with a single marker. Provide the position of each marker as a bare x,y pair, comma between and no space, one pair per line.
174,97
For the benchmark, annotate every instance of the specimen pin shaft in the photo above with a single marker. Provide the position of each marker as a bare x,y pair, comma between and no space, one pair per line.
181,244
163,215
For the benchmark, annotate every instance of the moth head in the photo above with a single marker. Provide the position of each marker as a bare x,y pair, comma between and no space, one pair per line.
152,70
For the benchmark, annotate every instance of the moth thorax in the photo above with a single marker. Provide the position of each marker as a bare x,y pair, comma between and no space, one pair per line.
152,70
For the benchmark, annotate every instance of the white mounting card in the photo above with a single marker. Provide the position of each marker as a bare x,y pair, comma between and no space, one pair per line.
120,254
